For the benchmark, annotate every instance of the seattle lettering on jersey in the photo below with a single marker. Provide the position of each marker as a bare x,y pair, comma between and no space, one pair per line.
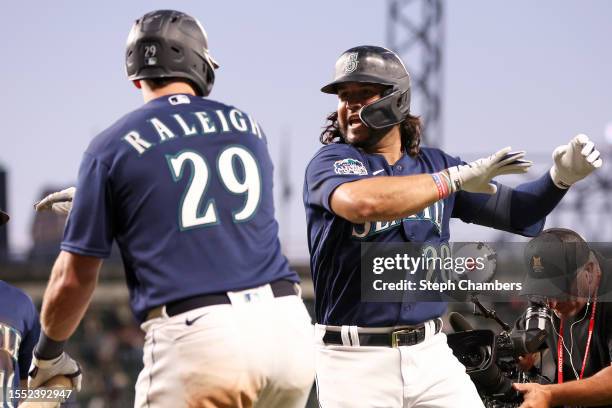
193,124
433,214
10,340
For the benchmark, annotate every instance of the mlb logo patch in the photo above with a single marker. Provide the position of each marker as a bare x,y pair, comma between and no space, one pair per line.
350,166
178,99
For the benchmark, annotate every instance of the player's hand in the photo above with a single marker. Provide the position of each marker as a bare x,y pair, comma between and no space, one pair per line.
574,161
59,202
59,383
42,371
475,177
534,395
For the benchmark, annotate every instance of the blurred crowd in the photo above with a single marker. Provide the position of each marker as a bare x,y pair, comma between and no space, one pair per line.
108,345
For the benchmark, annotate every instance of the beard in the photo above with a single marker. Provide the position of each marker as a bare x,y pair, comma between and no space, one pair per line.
373,136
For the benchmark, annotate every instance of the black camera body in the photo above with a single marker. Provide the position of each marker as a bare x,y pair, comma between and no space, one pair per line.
491,360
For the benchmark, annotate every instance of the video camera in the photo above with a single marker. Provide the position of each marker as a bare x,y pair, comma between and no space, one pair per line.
491,360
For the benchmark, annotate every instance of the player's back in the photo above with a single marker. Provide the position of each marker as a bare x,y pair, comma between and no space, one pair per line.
186,186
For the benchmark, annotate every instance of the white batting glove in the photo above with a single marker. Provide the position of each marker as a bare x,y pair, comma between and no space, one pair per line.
574,161
42,371
475,177
59,202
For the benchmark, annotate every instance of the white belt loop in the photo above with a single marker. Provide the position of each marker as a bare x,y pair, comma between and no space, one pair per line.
298,289
430,329
319,332
354,333
345,335
164,313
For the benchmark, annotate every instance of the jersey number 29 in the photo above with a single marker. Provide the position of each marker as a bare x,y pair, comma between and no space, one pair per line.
189,214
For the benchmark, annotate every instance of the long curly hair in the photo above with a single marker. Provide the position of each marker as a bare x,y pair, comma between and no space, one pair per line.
410,130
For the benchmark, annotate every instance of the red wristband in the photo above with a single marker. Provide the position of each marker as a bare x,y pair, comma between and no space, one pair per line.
443,190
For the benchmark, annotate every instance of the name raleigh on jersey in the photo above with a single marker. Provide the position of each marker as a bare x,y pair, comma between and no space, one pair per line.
194,124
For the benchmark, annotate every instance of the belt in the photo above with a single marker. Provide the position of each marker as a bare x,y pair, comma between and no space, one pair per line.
396,338
280,288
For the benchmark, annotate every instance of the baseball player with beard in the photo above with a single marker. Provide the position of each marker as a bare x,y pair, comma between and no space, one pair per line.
19,330
373,182
183,184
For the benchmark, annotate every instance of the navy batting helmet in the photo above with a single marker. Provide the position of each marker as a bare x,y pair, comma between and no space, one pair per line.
375,65
170,44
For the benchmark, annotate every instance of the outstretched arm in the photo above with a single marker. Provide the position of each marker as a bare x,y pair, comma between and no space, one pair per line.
571,163
390,198
384,198
522,210
532,201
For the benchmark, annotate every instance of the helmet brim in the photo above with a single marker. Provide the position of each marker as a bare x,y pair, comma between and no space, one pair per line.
332,87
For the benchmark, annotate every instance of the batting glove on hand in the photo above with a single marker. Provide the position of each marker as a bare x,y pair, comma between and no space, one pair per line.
42,371
475,177
574,161
59,202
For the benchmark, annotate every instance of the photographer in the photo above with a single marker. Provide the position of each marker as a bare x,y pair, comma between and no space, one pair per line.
575,282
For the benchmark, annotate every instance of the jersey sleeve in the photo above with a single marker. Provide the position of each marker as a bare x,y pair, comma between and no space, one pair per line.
30,338
332,166
468,206
89,229
521,210
492,211
507,210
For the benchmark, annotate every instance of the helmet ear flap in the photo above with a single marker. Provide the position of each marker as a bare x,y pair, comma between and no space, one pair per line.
386,111
210,79
404,100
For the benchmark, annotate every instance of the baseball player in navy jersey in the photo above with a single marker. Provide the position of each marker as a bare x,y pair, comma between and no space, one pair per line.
184,186
373,182
19,331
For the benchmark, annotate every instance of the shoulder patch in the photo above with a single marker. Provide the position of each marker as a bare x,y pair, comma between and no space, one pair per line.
350,166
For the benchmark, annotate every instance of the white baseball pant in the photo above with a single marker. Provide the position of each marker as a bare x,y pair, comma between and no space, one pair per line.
426,375
256,352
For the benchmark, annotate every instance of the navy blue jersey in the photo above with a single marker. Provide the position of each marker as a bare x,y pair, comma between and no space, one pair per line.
19,331
184,185
334,242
